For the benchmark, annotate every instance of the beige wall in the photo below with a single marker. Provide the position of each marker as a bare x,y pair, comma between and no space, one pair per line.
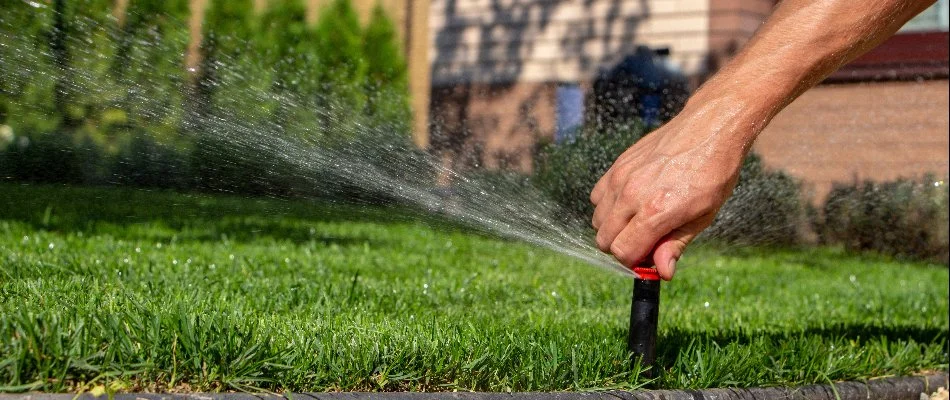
495,41
877,131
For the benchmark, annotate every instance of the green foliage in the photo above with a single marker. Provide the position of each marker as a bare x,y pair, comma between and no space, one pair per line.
289,46
387,77
149,65
155,290
128,108
342,71
385,64
766,208
339,46
904,218
228,29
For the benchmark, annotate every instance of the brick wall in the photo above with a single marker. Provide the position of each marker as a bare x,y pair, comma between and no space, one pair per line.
878,131
492,125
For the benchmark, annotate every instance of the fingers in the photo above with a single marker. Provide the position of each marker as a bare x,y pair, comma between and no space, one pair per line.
671,247
669,250
602,210
634,243
597,194
613,223
611,216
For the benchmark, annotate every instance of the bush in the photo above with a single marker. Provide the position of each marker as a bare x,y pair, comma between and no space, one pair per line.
144,162
903,218
567,172
42,158
265,85
766,207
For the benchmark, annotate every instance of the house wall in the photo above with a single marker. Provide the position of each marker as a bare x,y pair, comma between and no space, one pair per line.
848,132
503,41
496,63
731,24
496,126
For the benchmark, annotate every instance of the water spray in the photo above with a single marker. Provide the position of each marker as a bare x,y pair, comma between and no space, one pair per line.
644,313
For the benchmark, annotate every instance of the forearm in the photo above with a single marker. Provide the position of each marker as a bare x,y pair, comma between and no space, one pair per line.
801,43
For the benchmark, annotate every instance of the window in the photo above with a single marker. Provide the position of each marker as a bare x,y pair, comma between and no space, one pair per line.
933,19
570,111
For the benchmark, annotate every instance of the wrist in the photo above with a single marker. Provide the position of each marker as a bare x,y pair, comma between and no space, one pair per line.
730,119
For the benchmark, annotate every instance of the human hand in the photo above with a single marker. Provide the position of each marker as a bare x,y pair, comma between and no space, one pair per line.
667,188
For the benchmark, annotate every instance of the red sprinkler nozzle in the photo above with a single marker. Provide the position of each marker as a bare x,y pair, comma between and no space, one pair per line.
647,273
644,314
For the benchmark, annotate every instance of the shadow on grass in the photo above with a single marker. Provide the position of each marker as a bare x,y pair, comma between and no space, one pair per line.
198,217
678,341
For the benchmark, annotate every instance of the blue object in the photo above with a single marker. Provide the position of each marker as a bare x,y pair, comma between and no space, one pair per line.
570,112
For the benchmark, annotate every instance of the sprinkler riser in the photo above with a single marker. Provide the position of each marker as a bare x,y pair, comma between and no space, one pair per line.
644,315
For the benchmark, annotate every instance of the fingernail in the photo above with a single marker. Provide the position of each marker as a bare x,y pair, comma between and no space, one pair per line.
672,267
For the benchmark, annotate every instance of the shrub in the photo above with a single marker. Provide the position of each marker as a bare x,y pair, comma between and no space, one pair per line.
387,86
144,162
567,172
264,83
766,207
42,158
903,218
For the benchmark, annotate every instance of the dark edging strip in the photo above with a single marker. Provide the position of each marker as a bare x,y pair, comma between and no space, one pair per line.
908,388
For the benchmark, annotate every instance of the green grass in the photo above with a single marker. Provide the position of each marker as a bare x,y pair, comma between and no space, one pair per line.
163,291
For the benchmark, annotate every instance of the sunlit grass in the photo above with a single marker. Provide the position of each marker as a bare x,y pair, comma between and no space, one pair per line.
159,291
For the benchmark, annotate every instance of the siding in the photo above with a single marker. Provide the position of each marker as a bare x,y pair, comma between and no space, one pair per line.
504,41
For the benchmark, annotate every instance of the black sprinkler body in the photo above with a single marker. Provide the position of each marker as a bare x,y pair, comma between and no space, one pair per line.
644,313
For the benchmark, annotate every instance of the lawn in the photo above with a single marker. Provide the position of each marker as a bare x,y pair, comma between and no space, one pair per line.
163,291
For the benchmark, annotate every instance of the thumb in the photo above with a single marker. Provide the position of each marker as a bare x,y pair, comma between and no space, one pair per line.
671,247
668,251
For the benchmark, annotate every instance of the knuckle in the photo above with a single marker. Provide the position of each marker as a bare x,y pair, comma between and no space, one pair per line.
630,191
602,242
655,205
618,178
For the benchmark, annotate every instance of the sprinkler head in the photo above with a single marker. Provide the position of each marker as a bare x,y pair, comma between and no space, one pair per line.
644,313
